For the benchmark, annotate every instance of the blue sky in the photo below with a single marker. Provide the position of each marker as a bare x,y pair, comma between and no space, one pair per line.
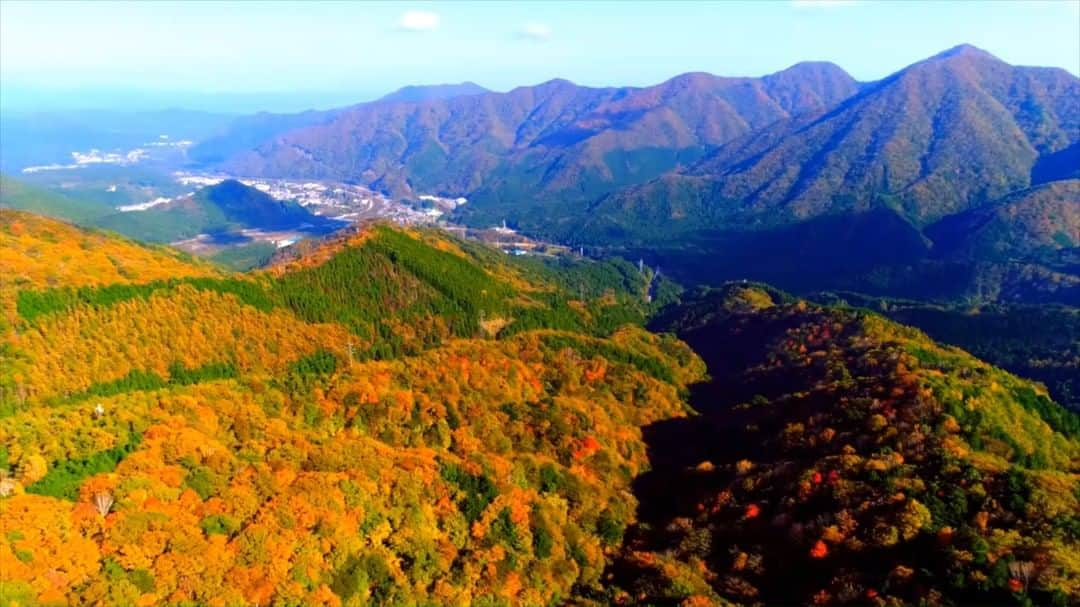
328,53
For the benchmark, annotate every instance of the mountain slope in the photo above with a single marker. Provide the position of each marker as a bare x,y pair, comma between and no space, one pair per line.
844,459
1038,342
37,251
944,135
396,417
246,132
393,292
553,137
1038,224
224,207
885,193
15,194
232,437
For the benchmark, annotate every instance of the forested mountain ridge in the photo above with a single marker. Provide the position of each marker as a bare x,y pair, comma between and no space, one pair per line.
947,181
1038,342
396,417
404,420
394,291
38,252
246,132
242,134
1040,224
950,133
843,459
944,135
413,94
555,137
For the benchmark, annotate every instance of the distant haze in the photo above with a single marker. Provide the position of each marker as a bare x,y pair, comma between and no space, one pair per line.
21,99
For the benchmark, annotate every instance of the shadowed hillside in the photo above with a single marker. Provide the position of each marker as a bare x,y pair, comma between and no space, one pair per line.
842,459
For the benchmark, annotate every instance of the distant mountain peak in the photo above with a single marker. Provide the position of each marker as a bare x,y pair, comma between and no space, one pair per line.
966,51
555,83
230,186
694,76
417,93
813,67
821,72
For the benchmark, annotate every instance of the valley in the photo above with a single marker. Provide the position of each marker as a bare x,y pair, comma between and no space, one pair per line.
802,178
167,197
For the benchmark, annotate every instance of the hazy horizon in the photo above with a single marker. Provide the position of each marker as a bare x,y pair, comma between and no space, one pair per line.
289,57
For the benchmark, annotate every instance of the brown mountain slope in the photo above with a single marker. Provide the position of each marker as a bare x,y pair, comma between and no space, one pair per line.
555,136
1034,224
939,137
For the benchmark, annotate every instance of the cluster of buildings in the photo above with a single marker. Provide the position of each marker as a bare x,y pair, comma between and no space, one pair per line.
341,201
351,203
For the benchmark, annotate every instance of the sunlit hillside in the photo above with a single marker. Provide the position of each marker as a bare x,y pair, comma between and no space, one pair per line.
195,437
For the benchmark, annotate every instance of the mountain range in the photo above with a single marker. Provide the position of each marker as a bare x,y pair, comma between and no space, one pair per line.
953,132
553,137
806,177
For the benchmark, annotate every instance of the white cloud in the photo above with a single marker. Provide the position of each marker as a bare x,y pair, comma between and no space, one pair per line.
535,31
821,3
418,21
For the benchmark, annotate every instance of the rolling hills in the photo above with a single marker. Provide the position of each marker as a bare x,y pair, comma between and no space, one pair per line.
393,416
15,194
221,210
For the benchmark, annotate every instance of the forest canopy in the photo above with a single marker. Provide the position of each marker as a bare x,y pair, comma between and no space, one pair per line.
396,417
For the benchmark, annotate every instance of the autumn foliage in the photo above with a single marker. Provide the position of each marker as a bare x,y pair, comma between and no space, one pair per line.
191,443
853,461
403,419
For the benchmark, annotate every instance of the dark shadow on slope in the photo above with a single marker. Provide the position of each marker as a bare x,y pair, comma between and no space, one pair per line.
676,446
1063,164
762,382
829,250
